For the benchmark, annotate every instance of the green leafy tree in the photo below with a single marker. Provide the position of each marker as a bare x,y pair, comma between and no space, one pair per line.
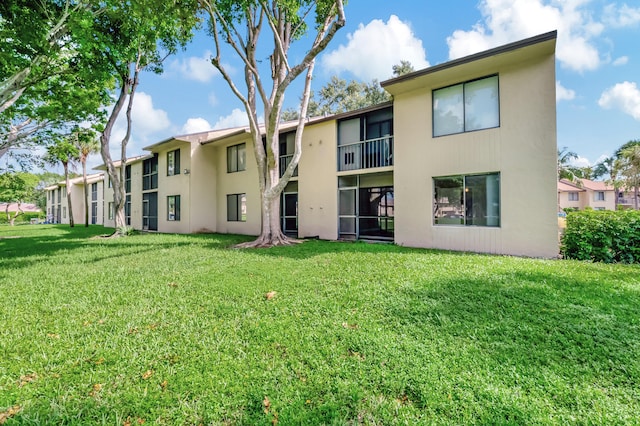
131,37
16,188
629,158
404,67
46,77
63,151
239,25
609,168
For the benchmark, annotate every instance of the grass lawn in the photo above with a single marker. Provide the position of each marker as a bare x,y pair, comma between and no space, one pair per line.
177,329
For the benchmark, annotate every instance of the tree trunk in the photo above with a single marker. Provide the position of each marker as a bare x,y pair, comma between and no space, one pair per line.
271,234
68,190
86,193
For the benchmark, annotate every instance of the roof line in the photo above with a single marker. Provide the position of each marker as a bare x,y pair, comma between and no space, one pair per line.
551,35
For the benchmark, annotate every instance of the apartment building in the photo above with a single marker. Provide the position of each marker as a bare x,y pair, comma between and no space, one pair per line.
57,204
442,166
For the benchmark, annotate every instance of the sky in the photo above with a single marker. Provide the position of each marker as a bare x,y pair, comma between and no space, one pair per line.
597,65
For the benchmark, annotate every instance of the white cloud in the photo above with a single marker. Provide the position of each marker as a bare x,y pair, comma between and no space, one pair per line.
195,125
580,162
564,94
373,49
511,20
622,60
623,96
145,121
623,16
194,68
237,118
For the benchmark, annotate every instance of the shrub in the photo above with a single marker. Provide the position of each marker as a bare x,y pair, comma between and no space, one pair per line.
23,218
603,236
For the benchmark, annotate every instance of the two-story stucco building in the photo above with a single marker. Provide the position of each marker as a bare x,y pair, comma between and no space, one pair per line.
441,166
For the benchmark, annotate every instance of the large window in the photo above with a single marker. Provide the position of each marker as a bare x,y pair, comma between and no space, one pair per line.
599,196
236,208
173,162
94,192
173,207
150,173
466,107
127,179
574,196
236,158
472,200
127,209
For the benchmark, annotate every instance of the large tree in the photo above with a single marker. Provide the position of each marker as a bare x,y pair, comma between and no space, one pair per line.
132,37
86,143
239,25
16,188
45,68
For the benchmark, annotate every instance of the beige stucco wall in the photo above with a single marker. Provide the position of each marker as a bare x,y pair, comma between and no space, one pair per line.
522,149
174,185
242,182
204,189
318,182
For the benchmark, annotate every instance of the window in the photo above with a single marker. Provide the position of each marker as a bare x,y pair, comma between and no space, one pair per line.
59,194
599,196
64,212
472,200
94,192
109,184
173,207
466,107
237,208
173,162
150,173
127,179
127,210
236,158
111,209
574,196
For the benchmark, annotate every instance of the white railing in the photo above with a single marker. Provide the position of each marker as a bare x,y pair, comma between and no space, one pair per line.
366,154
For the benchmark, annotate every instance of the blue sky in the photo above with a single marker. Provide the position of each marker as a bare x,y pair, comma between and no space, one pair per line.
598,65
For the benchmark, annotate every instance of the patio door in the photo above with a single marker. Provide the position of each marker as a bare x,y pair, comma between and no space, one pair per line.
289,213
347,213
150,211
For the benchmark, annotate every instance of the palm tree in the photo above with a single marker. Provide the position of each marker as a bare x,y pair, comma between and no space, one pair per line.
87,144
64,152
565,169
630,167
610,167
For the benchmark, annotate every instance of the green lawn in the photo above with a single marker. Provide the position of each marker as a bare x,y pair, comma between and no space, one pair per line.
176,329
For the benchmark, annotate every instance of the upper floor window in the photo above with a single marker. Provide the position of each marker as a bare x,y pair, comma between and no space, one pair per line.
599,196
366,141
574,196
173,162
236,158
150,173
94,191
472,200
466,107
127,179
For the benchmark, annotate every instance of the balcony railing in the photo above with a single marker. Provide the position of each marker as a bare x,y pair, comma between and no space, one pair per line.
285,160
366,154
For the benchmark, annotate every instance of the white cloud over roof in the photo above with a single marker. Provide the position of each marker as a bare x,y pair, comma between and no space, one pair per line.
506,21
373,50
195,125
237,118
624,97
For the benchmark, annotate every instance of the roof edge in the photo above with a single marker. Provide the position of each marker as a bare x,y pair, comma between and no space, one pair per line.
551,35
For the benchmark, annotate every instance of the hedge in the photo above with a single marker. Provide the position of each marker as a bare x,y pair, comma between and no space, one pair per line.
23,218
602,236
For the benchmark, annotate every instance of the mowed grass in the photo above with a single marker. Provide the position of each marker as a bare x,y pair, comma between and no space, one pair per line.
177,329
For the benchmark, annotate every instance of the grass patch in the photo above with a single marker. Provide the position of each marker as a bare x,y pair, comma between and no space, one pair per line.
177,329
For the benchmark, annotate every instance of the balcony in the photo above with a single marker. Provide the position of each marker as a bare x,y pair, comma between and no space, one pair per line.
285,160
367,154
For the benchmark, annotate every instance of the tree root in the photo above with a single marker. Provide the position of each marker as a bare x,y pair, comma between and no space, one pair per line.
266,241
